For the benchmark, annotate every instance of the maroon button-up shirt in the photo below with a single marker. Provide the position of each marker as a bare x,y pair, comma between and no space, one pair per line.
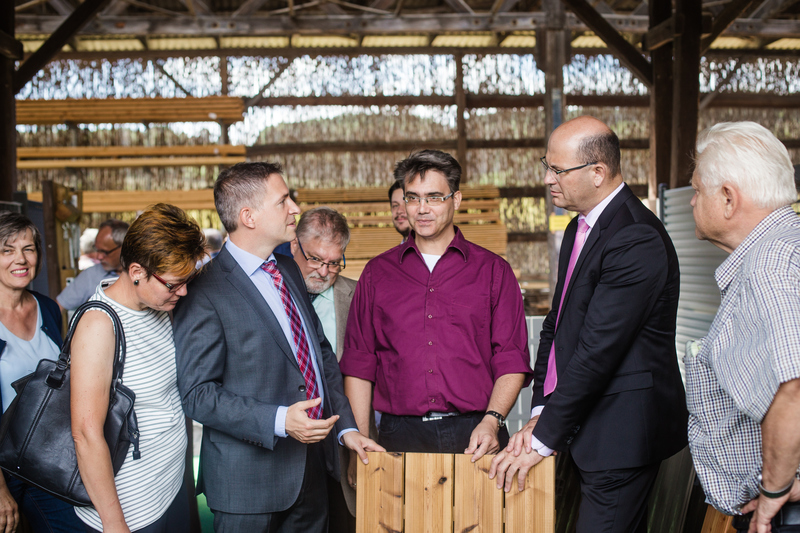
436,341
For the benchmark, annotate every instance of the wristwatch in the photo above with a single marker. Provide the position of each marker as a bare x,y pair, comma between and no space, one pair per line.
777,494
501,420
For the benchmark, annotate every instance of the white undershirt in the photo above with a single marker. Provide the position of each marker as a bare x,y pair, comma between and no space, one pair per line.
431,260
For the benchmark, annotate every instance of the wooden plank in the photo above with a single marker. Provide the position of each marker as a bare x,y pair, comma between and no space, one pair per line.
29,164
717,522
56,152
379,494
125,201
362,221
382,208
429,493
478,505
534,508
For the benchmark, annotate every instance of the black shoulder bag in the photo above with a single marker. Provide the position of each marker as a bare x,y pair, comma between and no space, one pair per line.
36,442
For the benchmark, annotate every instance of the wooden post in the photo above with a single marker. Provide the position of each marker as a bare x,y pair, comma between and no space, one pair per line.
8,113
223,74
461,121
686,91
379,497
555,53
51,236
660,105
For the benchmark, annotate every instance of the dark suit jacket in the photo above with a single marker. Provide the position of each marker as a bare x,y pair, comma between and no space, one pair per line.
619,402
235,368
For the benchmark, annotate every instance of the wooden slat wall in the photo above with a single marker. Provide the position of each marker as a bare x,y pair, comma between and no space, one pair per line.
443,493
126,110
378,194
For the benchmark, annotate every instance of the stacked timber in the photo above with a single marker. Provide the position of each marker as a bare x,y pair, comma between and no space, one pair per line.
227,109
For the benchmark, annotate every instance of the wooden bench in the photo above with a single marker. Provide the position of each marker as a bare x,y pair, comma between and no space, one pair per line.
372,233
431,493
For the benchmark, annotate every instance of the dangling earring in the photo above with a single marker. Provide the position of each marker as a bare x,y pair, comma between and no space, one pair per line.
136,282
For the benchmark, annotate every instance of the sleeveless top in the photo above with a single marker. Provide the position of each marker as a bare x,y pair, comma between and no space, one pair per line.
147,486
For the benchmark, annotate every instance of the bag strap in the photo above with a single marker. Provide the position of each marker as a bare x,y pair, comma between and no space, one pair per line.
56,376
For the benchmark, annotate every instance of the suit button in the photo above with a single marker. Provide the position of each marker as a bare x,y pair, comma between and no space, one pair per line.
301,388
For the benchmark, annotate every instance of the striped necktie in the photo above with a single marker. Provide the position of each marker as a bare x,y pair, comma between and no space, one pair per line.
299,335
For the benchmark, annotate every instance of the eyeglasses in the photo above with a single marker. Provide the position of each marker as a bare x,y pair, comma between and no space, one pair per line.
107,252
315,263
548,168
430,200
174,287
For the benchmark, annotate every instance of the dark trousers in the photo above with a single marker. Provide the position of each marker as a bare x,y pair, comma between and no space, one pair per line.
339,518
447,435
308,514
615,501
786,521
44,512
175,520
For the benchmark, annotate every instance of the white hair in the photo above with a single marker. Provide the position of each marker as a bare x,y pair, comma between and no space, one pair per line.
749,156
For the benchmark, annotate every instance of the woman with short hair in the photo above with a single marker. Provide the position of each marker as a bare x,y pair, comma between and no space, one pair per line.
30,330
158,260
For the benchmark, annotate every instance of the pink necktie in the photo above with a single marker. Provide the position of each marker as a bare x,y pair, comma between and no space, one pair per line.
299,336
551,379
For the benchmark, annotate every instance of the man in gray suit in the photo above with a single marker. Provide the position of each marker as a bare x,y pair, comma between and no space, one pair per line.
322,238
255,369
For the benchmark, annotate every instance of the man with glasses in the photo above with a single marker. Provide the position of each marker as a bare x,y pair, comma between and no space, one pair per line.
107,245
437,326
322,237
606,382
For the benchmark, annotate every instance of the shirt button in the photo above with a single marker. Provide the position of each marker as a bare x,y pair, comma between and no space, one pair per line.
430,371
430,316
433,401
431,289
430,343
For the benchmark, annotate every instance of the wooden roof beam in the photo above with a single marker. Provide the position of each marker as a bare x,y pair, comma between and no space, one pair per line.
625,51
68,29
197,8
248,8
726,17
63,7
769,8
10,48
459,6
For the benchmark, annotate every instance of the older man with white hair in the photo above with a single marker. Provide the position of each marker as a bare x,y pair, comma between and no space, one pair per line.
743,378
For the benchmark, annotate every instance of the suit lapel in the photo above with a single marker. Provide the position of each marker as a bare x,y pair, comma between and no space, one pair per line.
249,293
602,223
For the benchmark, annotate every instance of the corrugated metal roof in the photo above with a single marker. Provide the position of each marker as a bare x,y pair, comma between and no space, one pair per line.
785,44
588,41
323,41
109,45
520,40
395,40
193,43
254,42
734,42
465,40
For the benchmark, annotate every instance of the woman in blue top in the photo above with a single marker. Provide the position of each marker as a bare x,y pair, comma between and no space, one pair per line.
30,330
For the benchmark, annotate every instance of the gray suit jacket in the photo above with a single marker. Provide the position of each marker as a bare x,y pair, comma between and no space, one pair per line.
343,291
235,368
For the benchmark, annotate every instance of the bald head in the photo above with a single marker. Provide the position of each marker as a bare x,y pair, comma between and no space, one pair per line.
588,151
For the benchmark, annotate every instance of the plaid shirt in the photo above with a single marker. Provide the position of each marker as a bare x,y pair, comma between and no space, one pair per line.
752,347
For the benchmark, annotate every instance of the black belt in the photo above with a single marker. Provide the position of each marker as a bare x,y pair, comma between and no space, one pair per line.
789,515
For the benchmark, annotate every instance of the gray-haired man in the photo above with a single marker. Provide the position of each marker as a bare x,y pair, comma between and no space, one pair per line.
743,380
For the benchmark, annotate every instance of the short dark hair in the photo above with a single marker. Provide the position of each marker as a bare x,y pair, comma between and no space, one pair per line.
163,239
324,222
418,163
601,148
238,185
397,184
12,225
118,229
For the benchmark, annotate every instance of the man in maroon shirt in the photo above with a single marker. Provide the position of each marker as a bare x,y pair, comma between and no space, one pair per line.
437,325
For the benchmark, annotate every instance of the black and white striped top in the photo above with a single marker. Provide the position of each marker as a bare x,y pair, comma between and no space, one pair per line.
147,486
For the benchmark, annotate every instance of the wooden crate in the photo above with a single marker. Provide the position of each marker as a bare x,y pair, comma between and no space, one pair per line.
717,522
441,493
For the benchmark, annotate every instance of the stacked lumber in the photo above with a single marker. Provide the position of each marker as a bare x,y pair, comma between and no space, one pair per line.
127,156
227,109
444,492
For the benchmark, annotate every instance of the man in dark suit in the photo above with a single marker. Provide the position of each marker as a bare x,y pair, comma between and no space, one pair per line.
319,251
255,369
606,381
